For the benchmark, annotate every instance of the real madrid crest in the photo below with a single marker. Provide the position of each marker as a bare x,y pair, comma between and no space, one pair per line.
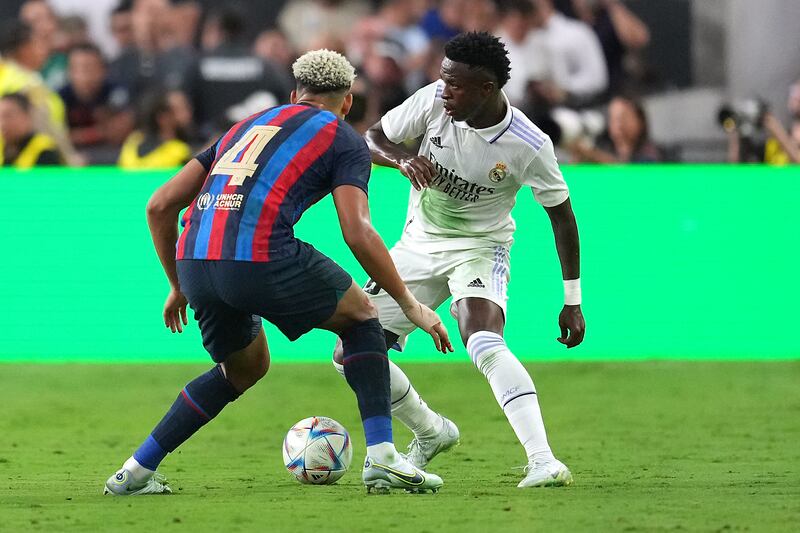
498,173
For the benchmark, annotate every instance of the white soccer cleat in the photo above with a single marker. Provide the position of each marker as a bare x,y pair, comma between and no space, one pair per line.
399,475
546,474
123,484
422,451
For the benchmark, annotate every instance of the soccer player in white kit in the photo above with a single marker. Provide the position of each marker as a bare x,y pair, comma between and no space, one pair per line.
477,151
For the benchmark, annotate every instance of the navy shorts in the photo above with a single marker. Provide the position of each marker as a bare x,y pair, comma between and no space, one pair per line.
229,298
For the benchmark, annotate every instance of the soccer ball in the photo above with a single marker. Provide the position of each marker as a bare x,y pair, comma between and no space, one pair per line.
317,450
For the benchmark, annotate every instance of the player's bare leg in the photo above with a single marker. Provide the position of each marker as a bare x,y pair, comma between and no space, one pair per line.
481,324
199,402
433,433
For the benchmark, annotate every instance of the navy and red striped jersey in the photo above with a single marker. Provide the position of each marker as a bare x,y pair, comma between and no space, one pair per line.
262,175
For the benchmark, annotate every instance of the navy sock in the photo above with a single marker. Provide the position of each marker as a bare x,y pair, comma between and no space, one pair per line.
366,369
199,401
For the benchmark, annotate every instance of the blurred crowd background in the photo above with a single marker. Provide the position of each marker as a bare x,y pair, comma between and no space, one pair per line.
147,83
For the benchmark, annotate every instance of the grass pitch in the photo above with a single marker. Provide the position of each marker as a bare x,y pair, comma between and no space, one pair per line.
653,446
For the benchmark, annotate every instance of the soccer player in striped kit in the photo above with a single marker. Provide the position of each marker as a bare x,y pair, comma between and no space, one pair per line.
238,261
477,151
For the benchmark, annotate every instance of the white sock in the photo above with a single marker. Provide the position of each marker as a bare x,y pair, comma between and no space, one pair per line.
384,453
514,391
407,406
138,472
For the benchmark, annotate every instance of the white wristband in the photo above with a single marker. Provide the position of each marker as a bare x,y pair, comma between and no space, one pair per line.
572,291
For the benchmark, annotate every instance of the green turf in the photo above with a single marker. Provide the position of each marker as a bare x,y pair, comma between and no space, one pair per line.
653,446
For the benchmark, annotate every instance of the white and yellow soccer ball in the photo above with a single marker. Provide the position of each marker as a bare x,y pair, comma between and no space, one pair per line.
317,450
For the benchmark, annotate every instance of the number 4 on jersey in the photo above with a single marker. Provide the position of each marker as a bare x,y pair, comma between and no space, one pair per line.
250,145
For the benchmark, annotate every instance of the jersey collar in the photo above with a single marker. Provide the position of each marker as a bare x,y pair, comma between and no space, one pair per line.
492,133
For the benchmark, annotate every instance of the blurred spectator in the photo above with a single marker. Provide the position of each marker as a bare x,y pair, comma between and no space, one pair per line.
95,16
433,62
272,45
781,147
21,55
360,116
444,21
304,21
174,34
21,146
329,42
183,111
88,96
44,24
159,141
187,13
122,26
395,25
382,67
574,70
156,57
620,33
516,22
480,15
396,20
117,127
628,138
25,47
229,82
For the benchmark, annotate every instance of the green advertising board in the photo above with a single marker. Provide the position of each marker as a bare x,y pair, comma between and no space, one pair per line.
678,262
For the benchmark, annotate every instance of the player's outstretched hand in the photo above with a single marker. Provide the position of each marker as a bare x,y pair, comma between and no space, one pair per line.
419,170
175,311
427,320
572,325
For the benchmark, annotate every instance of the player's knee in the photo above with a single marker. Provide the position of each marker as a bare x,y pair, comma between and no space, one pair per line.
338,352
364,337
369,310
483,348
247,369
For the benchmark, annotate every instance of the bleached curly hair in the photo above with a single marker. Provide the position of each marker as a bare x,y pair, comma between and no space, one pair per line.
324,71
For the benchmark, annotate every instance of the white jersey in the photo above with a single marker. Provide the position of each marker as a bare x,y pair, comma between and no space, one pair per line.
480,171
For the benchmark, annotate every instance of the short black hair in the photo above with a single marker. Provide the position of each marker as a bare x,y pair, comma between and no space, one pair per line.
124,6
480,50
151,105
14,34
523,7
20,99
89,48
232,22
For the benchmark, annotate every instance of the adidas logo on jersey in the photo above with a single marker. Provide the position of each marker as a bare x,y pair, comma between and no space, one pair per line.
437,142
476,283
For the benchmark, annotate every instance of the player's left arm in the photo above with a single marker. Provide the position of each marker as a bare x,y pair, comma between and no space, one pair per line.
549,189
163,209
565,231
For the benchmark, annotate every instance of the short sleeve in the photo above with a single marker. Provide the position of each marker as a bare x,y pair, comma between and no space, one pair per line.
352,162
207,156
409,120
544,176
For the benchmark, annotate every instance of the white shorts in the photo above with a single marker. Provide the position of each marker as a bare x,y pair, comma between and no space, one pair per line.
433,277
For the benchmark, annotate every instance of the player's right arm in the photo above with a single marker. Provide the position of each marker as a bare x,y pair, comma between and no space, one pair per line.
367,246
407,121
417,168
163,209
